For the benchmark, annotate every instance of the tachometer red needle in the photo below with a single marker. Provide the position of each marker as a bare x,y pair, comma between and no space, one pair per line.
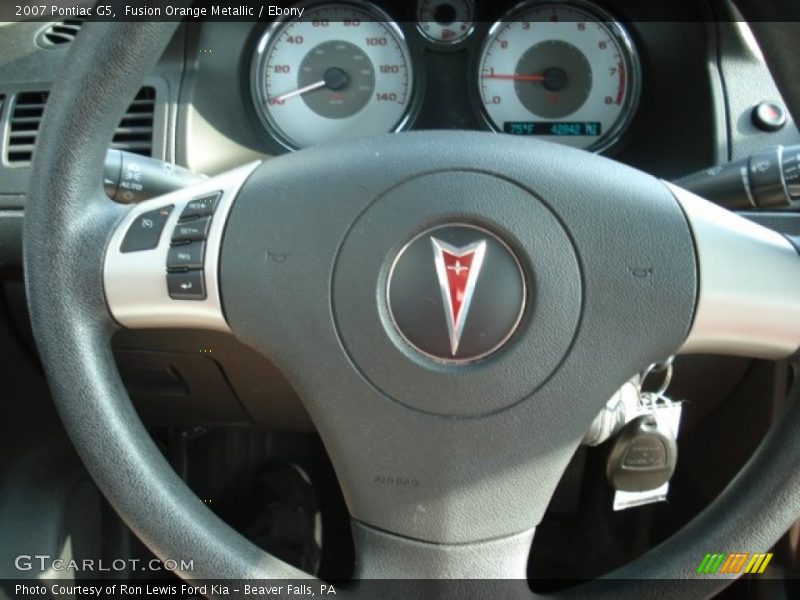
514,77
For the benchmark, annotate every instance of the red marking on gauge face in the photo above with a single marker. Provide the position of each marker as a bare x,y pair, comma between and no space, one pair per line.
621,86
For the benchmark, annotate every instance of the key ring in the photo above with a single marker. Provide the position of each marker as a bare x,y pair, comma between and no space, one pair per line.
662,367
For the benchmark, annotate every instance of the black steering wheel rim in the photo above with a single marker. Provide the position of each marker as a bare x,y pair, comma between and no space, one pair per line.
66,231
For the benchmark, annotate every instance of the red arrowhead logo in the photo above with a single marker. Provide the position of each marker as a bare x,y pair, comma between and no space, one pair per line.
457,270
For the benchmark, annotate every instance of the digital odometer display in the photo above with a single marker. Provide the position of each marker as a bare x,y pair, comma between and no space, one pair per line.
555,128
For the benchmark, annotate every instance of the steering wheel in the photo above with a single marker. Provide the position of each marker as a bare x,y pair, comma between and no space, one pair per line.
561,274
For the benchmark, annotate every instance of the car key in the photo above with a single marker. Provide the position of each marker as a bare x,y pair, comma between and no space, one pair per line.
644,454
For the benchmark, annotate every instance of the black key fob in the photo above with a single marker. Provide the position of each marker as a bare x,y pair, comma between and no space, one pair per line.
643,456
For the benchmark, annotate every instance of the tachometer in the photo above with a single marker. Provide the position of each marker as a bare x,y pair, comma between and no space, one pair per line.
342,71
562,70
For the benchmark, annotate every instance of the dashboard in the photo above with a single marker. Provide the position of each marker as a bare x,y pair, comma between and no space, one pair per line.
565,71
625,78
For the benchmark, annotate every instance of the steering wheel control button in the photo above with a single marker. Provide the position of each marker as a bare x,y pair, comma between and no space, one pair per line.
768,116
145,231
456,293
201,207
186,256
191,231
186,285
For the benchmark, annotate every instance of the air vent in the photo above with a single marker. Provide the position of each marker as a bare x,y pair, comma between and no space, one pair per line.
59,34
134,134
135,131
25,119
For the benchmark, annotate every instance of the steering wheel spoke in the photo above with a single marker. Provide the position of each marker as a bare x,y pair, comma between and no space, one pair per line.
749,285
161,267
382,555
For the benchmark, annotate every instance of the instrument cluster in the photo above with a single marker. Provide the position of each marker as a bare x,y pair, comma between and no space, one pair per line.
564,71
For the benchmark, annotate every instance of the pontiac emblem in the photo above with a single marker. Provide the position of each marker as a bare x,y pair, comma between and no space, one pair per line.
458,270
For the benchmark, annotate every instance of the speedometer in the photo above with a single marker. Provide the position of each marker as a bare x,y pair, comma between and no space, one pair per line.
341,71
562,70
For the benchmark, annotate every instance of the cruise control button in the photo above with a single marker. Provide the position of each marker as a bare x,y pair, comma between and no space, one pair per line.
186,256
191,230
187,285
201,207
145,231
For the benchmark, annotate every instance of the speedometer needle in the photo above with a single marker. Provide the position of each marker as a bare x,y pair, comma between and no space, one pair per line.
514,77
334,79
303,90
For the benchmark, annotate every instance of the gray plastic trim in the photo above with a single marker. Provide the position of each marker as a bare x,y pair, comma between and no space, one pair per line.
382,555
135,282
749,294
